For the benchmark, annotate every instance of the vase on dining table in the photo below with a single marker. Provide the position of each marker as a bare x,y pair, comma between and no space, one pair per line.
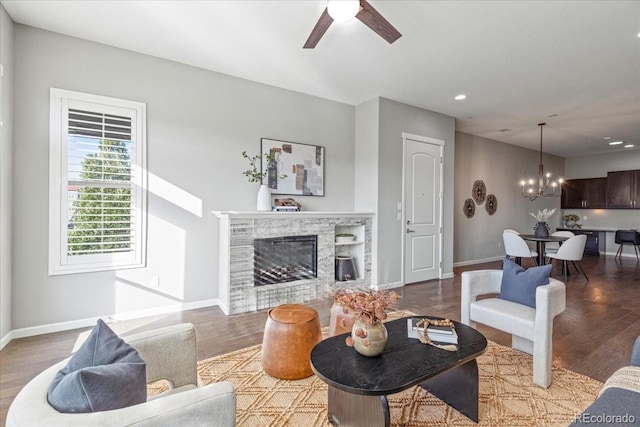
541,229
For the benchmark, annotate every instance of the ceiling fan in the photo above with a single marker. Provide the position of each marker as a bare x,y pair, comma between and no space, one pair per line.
344,10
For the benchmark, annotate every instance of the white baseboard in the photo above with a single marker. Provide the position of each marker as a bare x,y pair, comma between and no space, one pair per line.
87,322
391,285
6,339
477,261
613,254
448,275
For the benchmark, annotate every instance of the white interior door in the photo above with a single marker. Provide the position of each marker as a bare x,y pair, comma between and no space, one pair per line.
422,198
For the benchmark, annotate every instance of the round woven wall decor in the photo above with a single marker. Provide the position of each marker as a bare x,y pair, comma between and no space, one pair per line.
492,204
479,191
469,208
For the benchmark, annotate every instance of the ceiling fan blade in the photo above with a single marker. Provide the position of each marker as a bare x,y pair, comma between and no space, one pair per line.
372,19
318,31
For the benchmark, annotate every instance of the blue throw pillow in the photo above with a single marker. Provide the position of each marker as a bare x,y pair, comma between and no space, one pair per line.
105,373
519,285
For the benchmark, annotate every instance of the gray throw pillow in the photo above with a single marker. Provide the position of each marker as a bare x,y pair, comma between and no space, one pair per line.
519,285
105,373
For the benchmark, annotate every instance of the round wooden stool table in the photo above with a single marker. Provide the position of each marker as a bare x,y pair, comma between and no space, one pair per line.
291,332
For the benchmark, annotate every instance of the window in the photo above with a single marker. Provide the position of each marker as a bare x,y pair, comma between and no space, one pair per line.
97,183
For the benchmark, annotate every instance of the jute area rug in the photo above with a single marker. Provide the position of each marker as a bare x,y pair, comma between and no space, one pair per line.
507,394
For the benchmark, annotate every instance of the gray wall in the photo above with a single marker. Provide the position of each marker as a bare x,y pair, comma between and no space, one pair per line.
6,169
198,123
366,169
598,166
394,118
501,167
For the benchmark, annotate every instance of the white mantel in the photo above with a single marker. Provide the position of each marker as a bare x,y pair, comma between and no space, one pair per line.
238,229
299,214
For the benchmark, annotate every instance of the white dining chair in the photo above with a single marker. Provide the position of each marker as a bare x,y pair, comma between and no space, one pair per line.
516,247
510,230
552,247
571,250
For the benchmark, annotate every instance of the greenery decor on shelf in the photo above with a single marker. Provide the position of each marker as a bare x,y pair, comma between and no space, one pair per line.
571,221
543,215
571,217
252,174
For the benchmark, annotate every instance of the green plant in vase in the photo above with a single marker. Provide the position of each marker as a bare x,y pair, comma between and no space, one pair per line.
254,175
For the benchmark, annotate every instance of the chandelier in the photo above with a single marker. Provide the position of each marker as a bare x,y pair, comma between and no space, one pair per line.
543,186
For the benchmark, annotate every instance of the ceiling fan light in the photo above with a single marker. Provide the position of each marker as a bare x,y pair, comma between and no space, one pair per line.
343,10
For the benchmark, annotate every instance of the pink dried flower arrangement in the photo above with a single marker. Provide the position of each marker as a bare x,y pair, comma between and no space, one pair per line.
367,306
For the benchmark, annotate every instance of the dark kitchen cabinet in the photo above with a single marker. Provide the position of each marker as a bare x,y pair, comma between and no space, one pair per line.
623,189
590,193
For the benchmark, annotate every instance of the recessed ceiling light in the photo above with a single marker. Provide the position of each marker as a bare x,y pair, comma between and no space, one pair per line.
552,115
616,142
606,138
504,130
628,146
460,97
638,35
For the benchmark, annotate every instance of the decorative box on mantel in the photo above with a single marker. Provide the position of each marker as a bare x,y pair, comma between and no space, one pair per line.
273,258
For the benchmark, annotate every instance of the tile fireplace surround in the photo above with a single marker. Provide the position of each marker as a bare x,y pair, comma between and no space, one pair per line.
236,290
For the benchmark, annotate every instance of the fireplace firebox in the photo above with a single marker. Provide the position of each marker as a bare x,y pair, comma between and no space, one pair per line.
284,259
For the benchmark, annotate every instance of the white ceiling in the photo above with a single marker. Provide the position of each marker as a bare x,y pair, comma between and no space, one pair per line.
517,61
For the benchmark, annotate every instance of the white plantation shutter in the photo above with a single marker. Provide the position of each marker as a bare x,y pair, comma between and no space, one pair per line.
97,183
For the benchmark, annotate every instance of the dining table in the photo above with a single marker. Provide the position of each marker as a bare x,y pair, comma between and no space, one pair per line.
541,243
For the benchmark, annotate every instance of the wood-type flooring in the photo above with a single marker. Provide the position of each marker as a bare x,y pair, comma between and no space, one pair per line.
594,336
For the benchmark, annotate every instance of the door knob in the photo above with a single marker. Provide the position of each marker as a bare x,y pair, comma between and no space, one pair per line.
410,230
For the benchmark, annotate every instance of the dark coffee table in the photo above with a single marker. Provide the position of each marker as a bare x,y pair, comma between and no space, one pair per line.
358,385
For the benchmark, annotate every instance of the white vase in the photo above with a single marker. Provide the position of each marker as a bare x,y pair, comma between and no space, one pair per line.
264,198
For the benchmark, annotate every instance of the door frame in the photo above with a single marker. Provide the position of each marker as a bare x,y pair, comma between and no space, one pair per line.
432,141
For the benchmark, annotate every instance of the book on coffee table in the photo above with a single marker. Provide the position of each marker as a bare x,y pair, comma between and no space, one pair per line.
438,334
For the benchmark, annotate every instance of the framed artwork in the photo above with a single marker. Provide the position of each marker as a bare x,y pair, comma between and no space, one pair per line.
302,166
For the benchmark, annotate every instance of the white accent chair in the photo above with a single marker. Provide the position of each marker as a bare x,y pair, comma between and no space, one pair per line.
531,329
571,250
170,353
516,247
552,247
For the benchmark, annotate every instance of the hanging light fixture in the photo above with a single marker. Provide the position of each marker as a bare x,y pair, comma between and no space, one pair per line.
544,187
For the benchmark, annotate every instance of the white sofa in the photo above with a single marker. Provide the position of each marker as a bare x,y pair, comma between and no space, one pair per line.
169,353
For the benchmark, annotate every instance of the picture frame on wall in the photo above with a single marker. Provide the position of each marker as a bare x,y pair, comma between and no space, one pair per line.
303,165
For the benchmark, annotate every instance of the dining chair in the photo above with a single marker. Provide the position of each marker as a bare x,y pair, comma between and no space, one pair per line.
516,247
627,237
510,230
572,250
552,247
